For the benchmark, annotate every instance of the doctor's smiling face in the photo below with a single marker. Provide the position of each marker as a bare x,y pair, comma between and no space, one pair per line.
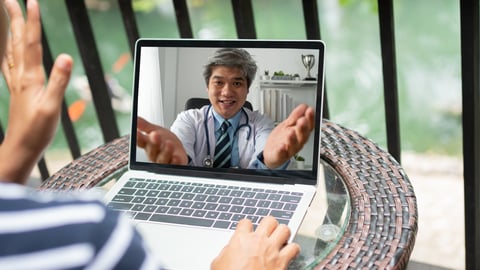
228,75
227,90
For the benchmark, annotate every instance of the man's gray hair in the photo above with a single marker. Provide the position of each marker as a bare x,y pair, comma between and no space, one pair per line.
232,57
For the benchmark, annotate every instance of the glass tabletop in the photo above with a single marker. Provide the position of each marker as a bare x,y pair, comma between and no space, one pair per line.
325,221
323,225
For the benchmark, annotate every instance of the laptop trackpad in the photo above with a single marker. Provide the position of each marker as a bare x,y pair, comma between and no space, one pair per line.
178,247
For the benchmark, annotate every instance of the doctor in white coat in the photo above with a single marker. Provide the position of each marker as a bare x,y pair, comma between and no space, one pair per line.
256,143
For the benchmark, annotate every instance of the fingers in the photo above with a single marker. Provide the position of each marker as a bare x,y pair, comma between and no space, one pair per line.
59,78
145,126
16,28
298,112
33,50
267,225
289,252
244,226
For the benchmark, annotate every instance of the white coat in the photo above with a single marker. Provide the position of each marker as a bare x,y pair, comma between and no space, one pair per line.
190,129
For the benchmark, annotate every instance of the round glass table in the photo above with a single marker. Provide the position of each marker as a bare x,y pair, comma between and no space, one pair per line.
364,214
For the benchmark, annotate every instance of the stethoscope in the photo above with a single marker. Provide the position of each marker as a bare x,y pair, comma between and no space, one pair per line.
208,161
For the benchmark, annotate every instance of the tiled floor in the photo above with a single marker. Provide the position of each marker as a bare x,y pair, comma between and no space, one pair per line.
438,185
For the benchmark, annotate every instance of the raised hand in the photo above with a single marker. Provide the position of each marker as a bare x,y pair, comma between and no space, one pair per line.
160,144
34,107
288,137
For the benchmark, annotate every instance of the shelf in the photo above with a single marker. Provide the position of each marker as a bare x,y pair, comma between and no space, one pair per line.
289,83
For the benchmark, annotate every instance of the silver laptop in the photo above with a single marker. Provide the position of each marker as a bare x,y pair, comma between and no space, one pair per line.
187,214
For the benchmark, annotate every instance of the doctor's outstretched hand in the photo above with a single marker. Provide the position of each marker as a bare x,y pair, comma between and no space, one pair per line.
288,137
160,144
265,248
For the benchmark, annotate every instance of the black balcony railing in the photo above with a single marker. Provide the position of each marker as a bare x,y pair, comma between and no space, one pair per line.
246,28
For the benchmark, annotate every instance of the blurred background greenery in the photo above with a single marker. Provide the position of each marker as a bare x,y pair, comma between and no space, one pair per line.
428,57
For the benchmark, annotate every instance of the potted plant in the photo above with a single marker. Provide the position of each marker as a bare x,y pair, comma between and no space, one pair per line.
300,162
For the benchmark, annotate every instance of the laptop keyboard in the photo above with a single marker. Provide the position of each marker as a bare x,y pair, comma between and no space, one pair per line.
205,205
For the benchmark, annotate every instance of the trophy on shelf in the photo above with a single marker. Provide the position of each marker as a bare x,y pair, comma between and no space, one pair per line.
308,61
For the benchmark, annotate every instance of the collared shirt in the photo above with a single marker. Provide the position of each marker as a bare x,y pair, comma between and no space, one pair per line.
235,122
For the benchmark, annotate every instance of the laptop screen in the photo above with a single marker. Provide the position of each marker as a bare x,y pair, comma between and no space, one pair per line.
168,74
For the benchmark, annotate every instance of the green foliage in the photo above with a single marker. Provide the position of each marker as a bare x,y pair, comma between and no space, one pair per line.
373,4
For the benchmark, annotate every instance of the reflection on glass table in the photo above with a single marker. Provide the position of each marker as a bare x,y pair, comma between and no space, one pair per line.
325,221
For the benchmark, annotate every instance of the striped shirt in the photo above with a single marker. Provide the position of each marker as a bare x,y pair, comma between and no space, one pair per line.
43,230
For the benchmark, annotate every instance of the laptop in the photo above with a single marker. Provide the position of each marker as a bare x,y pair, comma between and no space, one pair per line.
187,214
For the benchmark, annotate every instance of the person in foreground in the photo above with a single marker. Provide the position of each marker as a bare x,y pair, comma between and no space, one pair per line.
255,141
68,231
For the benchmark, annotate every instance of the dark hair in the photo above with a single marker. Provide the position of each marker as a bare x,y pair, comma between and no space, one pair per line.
232,57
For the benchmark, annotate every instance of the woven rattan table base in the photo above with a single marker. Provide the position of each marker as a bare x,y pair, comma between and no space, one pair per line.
383,220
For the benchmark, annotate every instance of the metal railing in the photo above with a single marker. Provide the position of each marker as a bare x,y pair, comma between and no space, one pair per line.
245,27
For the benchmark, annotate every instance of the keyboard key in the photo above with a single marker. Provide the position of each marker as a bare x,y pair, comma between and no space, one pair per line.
188,196
238,201
150,201
212,214
174,210
141,192
238,217
142,216
138,199
290,206
122,198
223,207
225,200
164,194
153,193
199,213
274,197
211,191
162,209
198,205
182,220
200,197
127,191
185,204
174,202
162,202
222,224
291,199
277,205
213,198
281,214
211,206
176,195
120,206
236,209
236,193
261,196
138,207
262,212
186,212
263,204
223,192
249,210
251,202
248,194
225,216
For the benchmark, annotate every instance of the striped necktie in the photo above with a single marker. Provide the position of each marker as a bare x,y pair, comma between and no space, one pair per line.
223,149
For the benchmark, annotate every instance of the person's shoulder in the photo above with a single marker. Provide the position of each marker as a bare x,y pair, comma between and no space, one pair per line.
196,113
32,198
